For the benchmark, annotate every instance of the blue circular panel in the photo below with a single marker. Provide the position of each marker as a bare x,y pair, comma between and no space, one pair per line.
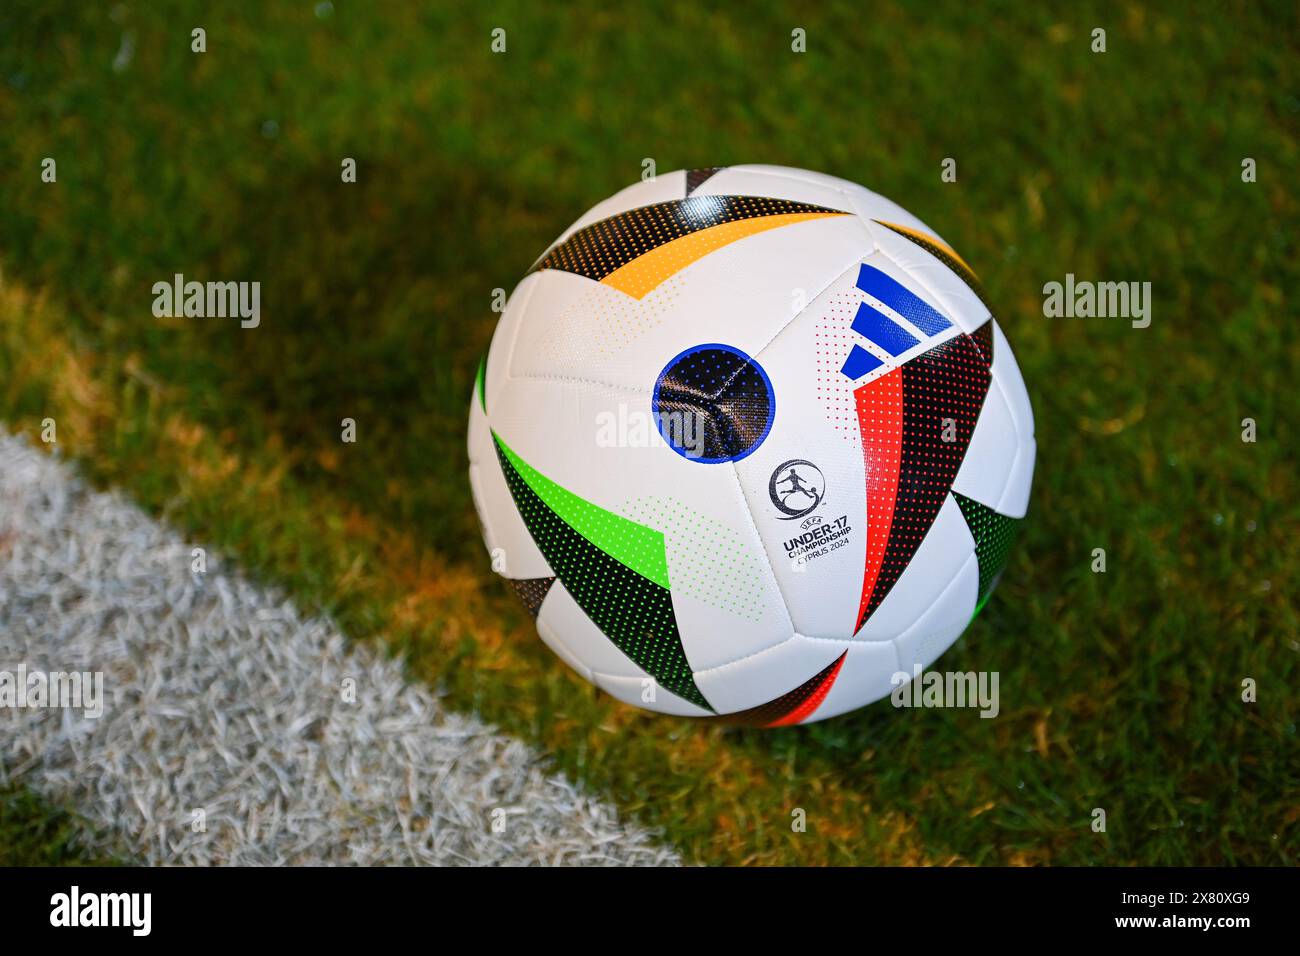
713,403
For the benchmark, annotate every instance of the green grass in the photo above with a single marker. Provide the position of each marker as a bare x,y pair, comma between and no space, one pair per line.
1119,690
35,832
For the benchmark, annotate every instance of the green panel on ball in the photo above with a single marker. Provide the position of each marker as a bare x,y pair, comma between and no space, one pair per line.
993,534
640,548
480,383
631,608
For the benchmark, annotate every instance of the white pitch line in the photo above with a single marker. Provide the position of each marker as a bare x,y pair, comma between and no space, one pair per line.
221,697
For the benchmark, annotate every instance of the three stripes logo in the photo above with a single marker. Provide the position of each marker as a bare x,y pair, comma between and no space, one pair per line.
881,328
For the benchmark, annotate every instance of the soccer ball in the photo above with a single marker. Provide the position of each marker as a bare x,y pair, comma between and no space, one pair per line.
749,445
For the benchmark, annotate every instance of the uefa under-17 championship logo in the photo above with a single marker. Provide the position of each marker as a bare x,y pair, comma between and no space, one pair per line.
796,488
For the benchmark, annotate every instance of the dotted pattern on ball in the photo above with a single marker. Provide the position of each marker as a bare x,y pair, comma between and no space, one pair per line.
639,547
631,610
880,423
707,559
532,592
603,321
833,339
993,534
599,249
947,382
